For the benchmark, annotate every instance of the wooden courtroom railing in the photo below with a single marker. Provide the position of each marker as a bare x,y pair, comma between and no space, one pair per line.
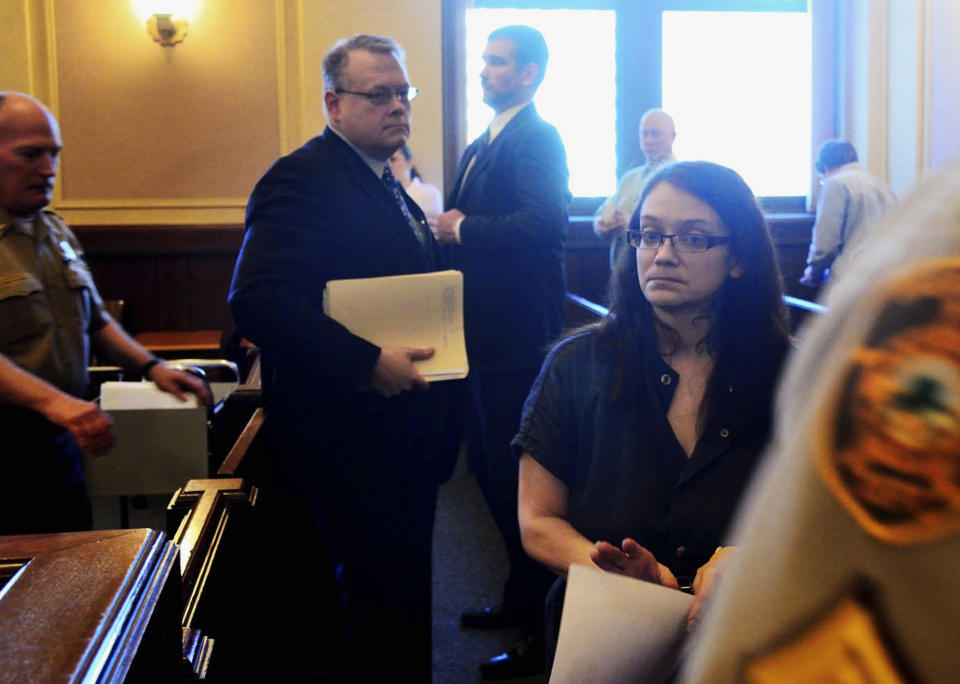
90,606
581,311
110,606
231,464
213,520
106,606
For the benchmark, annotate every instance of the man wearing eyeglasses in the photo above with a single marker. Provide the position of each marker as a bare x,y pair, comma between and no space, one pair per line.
353,428
505,224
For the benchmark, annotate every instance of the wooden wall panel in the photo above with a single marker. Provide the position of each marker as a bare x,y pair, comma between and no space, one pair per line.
171,277
177,277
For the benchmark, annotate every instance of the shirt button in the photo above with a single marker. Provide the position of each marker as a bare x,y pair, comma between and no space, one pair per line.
680,551
666,379
724,432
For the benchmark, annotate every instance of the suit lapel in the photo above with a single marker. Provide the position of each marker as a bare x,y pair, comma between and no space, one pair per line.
484,161
363,176
455,192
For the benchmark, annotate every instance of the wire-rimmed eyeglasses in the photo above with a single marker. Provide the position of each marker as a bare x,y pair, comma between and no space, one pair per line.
384,96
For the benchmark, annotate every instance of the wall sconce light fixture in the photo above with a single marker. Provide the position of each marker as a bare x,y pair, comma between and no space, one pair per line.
166,30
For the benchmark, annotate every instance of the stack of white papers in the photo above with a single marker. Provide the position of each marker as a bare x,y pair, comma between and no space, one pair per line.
419,310
160,442
618,629
130,396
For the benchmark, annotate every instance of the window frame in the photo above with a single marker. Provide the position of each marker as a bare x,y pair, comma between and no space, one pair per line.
638,77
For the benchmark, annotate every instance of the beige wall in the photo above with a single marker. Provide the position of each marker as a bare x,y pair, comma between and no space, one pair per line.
161,135
942,59
14,55
190,127
180,135
899,103
415,24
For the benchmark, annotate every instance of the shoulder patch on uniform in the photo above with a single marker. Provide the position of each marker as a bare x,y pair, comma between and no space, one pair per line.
888,442
845,645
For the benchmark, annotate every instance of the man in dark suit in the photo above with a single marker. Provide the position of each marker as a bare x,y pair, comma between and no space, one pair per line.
506,224
354,430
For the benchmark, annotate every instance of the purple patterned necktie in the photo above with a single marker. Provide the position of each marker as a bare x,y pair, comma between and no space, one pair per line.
392,185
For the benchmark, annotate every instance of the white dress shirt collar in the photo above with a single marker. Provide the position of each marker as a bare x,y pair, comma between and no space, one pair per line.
376,165
501,120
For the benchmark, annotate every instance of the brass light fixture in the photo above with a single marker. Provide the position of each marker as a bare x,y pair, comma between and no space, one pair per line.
166,30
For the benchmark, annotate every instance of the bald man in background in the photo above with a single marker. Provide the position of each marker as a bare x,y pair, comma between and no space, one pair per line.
657,134
50,314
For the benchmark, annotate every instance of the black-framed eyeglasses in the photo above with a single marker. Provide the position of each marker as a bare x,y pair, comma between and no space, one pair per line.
384,96
687,242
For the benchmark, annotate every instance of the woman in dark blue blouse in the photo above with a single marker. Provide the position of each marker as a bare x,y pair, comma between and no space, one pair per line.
642,431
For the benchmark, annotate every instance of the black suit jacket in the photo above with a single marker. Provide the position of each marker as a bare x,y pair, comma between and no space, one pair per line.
515,199
321,214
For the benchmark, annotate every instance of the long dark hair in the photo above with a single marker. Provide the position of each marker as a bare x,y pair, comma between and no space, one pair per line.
748,324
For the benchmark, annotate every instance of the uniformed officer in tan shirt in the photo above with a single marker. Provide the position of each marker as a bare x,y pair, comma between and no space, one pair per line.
50,314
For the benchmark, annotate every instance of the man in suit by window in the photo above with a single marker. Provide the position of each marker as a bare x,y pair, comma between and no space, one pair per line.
353,428
505,225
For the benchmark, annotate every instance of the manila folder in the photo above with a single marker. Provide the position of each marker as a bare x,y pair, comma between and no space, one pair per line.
419,310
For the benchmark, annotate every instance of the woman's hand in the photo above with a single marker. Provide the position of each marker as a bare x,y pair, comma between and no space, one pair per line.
706,579
632,560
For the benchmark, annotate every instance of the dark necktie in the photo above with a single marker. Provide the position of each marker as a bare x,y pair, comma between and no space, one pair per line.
392,185
482,145
483,142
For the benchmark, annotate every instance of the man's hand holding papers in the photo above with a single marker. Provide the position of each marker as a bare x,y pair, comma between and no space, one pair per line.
395,372
416,320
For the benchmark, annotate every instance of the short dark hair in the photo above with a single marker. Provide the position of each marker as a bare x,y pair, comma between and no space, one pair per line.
834,154
335,61
3,96
748,332
407,154
529,46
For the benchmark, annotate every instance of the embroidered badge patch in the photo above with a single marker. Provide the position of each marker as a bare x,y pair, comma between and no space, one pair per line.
892,453
844,646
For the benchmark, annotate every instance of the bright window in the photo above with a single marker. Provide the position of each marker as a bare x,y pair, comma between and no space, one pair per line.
578,94
736,75
738,87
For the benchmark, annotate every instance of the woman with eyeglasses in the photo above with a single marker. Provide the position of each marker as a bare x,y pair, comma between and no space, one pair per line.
642,430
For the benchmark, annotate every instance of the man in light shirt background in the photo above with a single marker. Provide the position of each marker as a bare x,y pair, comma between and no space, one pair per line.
851,203
657,133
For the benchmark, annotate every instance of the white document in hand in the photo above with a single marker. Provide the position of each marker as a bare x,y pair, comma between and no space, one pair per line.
618,629
419,310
